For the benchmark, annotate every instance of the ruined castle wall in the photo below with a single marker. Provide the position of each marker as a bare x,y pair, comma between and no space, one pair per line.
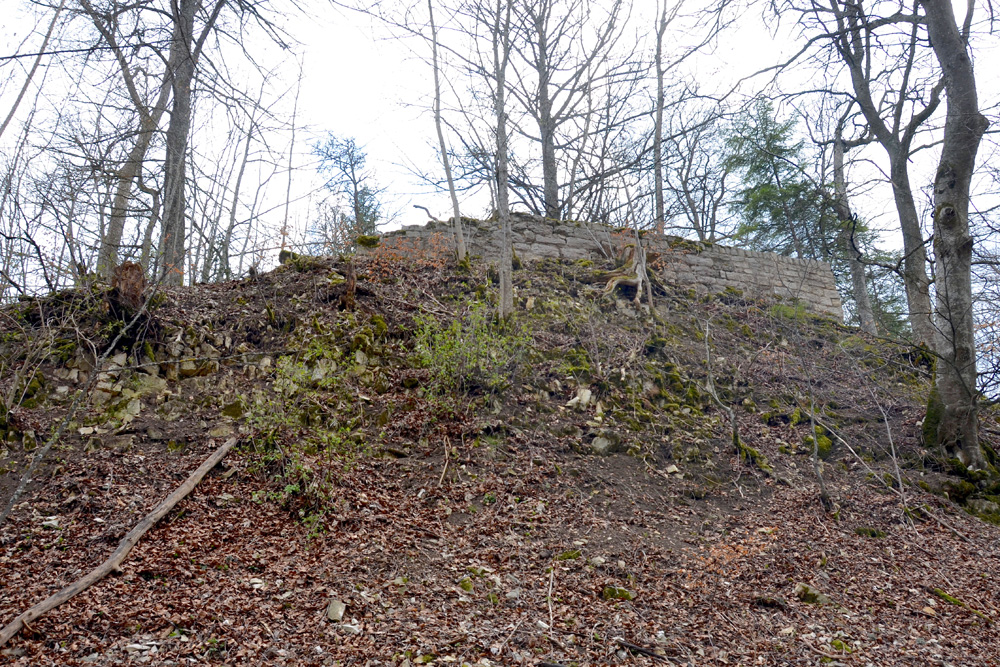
708,268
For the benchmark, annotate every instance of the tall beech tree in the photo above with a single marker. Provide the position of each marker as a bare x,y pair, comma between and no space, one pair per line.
564,57
108,21
952,417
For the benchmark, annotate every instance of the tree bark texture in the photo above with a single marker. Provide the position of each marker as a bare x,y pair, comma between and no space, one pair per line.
842,206
174,203
953,406
501,55
915,280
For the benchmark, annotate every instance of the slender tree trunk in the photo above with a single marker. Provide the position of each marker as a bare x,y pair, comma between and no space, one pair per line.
184,52
146,256
546,123
107,258
915,279
501,55
661,29
842,206
456,220
34,68
953,404
228,238
291,156
854,43
149,121
356,198
174,203
569,205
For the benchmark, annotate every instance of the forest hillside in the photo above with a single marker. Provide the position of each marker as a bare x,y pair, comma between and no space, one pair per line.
718,480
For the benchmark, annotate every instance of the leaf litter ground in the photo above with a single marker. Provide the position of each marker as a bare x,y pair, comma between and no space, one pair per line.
517,547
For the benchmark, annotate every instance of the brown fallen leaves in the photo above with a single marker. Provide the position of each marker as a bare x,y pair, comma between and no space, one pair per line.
227,580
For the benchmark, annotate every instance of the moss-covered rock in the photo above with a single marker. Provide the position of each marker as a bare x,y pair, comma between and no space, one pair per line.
752,456
868,531
810,595
617,593
959,490
821,442
380,326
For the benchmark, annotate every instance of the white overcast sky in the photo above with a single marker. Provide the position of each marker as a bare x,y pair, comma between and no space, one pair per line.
359,82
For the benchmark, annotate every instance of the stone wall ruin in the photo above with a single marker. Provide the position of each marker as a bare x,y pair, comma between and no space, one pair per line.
708,268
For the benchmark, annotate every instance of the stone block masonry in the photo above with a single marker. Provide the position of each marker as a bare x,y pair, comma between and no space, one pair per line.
707,268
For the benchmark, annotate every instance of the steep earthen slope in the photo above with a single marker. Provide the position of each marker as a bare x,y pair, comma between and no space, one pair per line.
563,491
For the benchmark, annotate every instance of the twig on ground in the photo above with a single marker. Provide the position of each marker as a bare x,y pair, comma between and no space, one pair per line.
824,494
507,639
892,451
825,654
447,458
640,649
552,574
942,522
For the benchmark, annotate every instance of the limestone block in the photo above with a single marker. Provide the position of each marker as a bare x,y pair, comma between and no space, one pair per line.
697,260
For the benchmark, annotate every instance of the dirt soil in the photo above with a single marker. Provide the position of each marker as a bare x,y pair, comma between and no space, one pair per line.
483,529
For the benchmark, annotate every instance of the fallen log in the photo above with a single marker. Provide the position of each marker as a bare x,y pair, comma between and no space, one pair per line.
124,547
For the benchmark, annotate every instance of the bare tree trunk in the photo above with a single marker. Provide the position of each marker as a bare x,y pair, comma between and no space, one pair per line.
501,55
546,123
568,209
146,256
457,215
185,61
915,280
34,67
174,203
661,29
211,216
853,41
842,206
291,154
568,64
953,404
228,238
149,121
107,258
